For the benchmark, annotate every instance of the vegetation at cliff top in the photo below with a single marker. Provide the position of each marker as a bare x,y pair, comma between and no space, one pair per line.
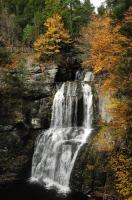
105,44
22,20
51,43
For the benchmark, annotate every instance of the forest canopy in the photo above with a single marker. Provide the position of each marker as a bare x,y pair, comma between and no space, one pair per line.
24,19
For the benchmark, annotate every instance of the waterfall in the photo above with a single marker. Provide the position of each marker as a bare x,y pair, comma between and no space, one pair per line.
57,148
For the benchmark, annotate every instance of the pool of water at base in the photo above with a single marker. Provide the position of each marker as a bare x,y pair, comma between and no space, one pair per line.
29,191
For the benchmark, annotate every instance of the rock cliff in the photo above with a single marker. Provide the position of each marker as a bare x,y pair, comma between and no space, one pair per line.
25,110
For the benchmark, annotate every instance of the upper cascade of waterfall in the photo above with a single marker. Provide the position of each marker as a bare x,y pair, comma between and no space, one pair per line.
84,76
57,148
89,76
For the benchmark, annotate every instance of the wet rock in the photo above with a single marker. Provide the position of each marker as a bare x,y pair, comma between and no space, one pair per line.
104,101
22,115
36,69
65,74
91,172
100,178
36,123
6,128
9,140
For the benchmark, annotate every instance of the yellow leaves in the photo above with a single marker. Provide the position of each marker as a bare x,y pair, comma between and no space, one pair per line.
105,44
14,62
121,165
107,53
51,42
52,21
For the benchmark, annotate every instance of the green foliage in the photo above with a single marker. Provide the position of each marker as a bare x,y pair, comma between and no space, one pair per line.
25,12
30,14
21,72
118,7
28,34
76,15
101,10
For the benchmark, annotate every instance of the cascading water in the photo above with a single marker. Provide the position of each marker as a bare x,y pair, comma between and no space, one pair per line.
57,148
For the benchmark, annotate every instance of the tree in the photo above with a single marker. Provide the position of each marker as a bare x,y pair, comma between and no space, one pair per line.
8,28
105,42
118,8
109,47
28,34
77,13
74,13
101,10
25,12
51,43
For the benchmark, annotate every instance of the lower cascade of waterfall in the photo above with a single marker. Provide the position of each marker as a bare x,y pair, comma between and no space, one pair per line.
57,148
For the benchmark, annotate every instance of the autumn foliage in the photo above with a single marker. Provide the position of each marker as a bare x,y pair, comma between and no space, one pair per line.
105,43
121,166
107,46
51,42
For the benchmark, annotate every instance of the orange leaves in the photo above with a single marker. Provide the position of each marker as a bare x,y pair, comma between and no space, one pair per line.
106,84
105,44
13,64
51,42
107,49
121,166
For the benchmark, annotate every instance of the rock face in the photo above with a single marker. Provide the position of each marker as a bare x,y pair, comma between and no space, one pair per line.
104,101
24,112
92,173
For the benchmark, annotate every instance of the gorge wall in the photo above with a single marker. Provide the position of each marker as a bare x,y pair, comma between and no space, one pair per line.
26,111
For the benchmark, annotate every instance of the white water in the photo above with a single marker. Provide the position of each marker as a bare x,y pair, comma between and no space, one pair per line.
89,77
57,148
